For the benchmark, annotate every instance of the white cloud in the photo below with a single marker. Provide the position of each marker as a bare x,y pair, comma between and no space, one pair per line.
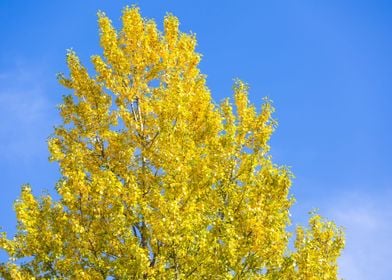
368,225
26,114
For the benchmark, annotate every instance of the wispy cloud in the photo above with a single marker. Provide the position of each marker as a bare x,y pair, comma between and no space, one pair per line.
367,219
26,114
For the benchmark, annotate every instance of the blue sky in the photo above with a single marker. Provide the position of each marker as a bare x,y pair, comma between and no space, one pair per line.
327,65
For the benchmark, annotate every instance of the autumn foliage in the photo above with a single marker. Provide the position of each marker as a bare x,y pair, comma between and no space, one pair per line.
158,181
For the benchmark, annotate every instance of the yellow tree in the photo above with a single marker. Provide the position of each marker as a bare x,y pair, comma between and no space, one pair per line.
159,182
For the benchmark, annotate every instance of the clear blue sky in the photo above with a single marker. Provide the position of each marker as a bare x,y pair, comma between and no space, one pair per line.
327,65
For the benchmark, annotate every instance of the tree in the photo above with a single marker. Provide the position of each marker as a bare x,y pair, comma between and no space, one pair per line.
159,182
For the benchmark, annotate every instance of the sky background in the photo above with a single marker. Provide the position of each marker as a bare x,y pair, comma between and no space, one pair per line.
327,66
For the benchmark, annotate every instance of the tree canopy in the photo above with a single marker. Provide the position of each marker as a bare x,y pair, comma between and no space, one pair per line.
160,182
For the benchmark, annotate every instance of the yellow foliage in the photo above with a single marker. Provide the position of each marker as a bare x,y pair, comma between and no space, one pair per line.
158,182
